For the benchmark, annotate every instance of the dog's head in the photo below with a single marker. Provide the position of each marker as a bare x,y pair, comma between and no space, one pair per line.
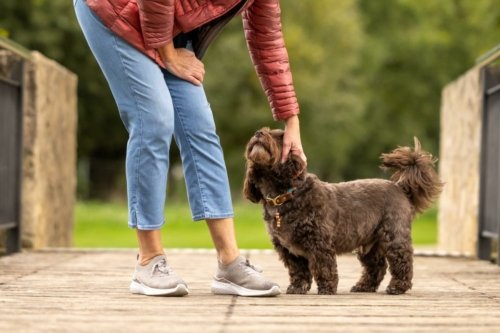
265,171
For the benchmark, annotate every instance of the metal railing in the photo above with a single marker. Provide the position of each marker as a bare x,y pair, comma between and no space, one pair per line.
12,61
489,216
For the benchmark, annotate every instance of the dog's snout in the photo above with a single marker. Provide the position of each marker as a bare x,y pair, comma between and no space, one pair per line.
258,134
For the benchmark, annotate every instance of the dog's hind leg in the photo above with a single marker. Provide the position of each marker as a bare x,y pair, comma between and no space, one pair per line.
298,270
400,258
374,268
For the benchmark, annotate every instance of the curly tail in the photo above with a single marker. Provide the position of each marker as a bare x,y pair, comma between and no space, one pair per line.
414,172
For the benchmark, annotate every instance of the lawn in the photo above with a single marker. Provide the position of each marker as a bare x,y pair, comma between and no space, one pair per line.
101,224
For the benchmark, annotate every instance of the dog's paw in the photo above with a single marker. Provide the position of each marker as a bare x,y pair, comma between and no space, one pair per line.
296,290
327,291
394,290
397,287
363,289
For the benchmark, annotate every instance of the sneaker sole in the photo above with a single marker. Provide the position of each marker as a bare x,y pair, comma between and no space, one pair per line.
228,288
138,288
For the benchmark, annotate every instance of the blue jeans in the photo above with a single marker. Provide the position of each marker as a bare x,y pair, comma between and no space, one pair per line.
155,105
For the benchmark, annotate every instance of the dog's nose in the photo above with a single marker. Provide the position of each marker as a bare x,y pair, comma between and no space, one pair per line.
258,133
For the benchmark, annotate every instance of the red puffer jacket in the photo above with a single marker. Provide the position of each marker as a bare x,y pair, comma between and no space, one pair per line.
149,24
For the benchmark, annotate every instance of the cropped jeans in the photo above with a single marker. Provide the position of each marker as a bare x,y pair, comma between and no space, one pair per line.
155,105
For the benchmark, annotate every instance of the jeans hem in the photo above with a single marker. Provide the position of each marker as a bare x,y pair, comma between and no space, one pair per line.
146,227
204,216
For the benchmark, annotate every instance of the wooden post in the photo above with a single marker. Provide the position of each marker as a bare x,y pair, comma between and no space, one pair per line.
461,162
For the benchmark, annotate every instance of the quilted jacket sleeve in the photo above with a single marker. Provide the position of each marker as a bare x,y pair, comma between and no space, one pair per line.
262,24
157,21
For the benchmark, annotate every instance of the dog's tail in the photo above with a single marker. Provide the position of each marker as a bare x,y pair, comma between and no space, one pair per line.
414,172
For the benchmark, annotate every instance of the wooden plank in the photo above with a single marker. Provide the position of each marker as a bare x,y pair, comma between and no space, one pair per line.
86,291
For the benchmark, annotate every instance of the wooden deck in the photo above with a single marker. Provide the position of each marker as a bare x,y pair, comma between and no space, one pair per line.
86,291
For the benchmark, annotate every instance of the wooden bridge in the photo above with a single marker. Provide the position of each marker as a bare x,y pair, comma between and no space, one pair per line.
86,291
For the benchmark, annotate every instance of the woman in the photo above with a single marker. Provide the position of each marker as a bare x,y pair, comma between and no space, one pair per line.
149,52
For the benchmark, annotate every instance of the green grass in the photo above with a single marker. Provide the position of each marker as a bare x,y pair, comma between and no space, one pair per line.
101,224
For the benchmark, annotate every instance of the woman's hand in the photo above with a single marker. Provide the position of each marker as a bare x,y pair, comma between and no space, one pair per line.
291,139
182,63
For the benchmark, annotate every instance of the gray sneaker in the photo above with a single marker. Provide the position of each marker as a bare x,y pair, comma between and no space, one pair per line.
243,279
157,279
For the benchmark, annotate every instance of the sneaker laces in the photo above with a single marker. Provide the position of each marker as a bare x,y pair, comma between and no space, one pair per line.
254,269
162,268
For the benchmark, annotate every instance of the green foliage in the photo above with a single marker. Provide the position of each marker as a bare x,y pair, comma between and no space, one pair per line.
50,26
105,225
325,51
324,47
413,49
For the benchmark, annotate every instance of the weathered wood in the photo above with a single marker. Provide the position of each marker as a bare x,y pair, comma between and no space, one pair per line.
463,165
49,154
459,163
86,291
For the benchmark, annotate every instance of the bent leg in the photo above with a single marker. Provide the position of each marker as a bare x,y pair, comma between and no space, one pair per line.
146,110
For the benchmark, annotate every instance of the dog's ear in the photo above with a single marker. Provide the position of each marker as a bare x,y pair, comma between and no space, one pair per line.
293,167
250,191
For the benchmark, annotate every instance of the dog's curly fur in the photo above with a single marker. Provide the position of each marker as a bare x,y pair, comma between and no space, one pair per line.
372,216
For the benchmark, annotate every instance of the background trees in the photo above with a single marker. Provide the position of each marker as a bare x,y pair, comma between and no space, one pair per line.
368,75
413,49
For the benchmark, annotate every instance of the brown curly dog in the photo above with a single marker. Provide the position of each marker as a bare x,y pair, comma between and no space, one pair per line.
311,221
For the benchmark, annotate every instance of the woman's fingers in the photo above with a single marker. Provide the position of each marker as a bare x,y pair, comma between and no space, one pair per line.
196,82
291,140
192,79
287,146
297,150
197,74
193,68
186,66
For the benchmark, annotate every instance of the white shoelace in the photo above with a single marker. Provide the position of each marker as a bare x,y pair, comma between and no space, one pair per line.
162,268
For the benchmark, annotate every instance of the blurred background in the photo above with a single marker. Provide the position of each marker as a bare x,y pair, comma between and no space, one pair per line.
368,75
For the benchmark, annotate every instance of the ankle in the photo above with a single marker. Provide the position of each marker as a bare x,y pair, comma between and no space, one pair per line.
145,258
227,256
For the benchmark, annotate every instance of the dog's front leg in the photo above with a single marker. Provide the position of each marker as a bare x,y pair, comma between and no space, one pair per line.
298,270
324,270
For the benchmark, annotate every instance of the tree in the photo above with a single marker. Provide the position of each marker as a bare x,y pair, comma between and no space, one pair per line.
50,27
413,49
